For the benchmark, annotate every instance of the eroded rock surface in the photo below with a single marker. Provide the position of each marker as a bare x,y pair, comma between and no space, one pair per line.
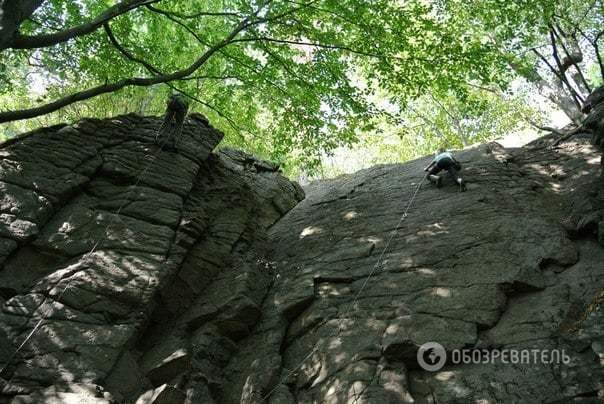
132,274
129,273
515,263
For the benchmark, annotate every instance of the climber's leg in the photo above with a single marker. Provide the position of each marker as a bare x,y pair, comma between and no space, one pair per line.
462,184
173,134
171,128
433,177
456,177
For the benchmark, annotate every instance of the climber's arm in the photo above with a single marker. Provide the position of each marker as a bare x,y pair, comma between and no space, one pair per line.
429,166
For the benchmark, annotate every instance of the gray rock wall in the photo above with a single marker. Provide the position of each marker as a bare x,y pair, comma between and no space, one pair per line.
129,272
137,275
515,263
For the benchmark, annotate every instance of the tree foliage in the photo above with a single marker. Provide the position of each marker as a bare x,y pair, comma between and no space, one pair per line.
286,72
552,44
291,79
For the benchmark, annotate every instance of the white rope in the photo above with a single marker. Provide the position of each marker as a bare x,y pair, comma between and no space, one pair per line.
84,257
358,294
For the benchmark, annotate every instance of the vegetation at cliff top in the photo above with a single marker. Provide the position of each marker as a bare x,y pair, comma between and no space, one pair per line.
294,81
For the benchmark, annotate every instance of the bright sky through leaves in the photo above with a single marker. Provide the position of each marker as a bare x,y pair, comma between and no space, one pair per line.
295,80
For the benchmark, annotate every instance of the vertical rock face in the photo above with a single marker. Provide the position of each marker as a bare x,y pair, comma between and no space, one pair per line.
132,274
514,264
129,272
594,121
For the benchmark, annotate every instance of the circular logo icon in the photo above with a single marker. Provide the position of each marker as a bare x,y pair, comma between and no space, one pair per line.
431,356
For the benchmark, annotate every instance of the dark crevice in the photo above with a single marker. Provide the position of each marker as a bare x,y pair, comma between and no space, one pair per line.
518,289
7,293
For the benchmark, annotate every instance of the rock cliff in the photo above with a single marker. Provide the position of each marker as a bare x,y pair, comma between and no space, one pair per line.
125,265
139,275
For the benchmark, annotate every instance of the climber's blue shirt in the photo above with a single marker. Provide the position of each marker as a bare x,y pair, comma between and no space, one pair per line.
444,155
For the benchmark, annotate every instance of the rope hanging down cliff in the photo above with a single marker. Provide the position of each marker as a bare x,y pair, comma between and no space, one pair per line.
290,372
174,120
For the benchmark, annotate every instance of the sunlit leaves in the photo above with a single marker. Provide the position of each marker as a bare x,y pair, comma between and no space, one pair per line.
296,85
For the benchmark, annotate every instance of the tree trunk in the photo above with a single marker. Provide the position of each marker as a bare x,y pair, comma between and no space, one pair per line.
556,93
12,15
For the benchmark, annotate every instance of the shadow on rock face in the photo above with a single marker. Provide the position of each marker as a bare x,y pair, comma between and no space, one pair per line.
485,270
192,276
112,249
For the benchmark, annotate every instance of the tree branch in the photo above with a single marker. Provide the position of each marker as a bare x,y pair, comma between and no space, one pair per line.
153,69
561,72
456,120
126,53
210,77
221,114
559,33
196,15
288,12
256,71
360,25
597,50
133,81
12,15
46,40
552,37
572,91
594,44
172,18
311,44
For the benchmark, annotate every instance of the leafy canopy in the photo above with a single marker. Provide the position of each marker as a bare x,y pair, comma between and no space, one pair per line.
298,78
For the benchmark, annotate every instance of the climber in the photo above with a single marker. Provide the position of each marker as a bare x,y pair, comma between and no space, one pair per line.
444,160
171,129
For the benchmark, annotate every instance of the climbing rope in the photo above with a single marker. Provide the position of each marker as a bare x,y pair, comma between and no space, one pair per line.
85,257
290,372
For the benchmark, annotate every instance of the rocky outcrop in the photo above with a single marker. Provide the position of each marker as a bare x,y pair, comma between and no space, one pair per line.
513,264
130,273
133,274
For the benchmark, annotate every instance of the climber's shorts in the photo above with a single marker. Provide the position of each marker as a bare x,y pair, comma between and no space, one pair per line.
446,164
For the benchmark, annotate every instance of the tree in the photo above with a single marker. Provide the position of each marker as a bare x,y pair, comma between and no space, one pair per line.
552,44
283,71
